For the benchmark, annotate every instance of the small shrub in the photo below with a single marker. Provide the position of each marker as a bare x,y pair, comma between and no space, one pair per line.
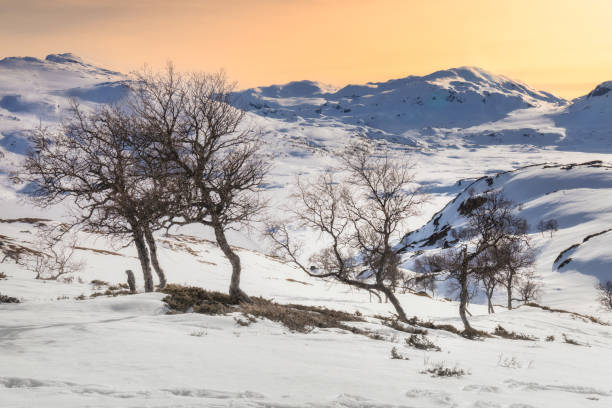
370,334
421,342
199,333
550,338
8,299
81,297
2,275
501,332
439,370
120,286
508,362
244,323
98,283
395,355
431,325
66,279
570,341
183,298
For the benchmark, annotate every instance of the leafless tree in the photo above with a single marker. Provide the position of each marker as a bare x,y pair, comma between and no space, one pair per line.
605,294
550,226
53,254
515,258
489,226
360,216
93,160
528,288
487,270
214,164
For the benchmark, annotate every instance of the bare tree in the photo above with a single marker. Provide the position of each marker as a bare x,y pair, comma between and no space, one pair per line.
550,226
93,161
515,258
360,216
487,271
489,226
528,288
214,162
53,254
605,294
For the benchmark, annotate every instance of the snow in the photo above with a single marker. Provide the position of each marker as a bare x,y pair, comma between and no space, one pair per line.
126,351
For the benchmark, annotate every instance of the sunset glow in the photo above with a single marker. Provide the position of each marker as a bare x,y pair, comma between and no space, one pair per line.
558,45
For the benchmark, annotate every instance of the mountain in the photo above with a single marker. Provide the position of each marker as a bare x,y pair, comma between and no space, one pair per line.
454,98
588,119
32,89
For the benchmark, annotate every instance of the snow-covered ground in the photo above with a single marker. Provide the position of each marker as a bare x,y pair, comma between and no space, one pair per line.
456,126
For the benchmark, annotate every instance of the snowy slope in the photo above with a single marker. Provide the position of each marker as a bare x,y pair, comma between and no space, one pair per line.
577,196
58,351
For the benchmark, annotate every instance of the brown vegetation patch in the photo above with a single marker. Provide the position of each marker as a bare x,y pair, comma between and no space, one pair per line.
98,251
14,251
297,281
8,299
27,220
299,318
501,332
586,317
422,342
179,246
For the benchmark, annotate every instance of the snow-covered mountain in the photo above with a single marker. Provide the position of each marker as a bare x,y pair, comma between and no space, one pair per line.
454,98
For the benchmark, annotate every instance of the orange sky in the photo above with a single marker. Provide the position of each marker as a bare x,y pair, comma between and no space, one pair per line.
562,46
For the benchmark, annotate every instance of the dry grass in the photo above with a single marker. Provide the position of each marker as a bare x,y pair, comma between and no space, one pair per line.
98,251
571,341
422,342
395,355
501,332
583,316
439,370
34,221
431,325
299,318
8,299
395,324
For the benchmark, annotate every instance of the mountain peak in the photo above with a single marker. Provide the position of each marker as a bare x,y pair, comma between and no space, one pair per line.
64,57
600,90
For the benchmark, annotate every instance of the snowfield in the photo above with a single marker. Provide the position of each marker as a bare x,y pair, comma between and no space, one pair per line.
464,129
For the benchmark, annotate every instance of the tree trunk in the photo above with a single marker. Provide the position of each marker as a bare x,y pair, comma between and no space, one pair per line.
154,260
143,256
396,304
489,292
509,289
236,294
131,281
463,301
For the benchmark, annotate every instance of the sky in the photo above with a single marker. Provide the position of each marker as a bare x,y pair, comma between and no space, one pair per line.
561,46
